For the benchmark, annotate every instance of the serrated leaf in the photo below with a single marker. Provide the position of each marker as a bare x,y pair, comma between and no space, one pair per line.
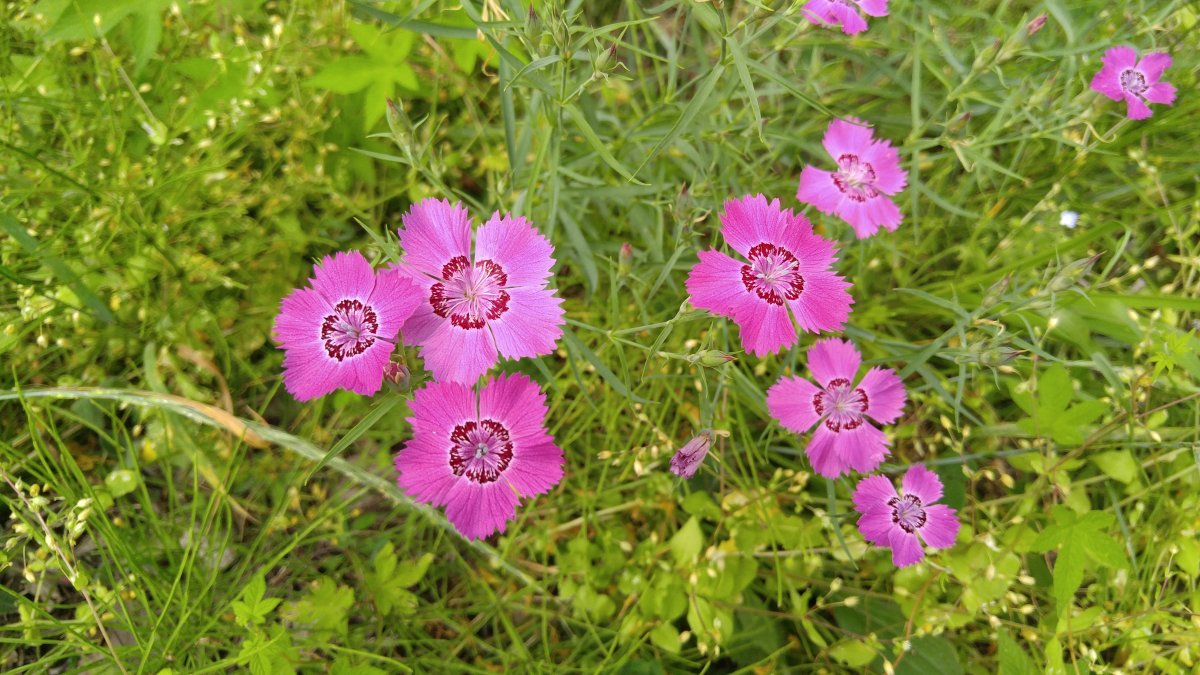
1054,392
346,75
1104,550
1086,412
409,575
1068,573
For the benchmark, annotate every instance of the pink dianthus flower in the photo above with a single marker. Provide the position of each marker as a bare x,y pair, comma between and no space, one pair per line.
843,13
340,331
1124,77
841,406
901,521
479,454
785,280
859,191
478,303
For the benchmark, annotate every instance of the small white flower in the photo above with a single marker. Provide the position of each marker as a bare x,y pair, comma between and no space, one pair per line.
1068,219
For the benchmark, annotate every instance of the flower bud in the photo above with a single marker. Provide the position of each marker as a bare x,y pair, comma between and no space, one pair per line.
397,376
691,455
1034,26
996,292
1071,273
994,358
625,260
711,358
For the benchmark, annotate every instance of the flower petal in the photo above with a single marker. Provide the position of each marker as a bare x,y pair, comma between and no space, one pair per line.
817,188
833,359
834,453
820,12
874,7
1153,64
394,299
790,401
941,526
519,404
344,275
435,231
885,394
885,160
850,136
823,456
455,354
906,548
863,448
478,510
715,283
867,216
824,306
852,22
923,484
751,220
1135,108
532,325
766,328
1108,82
1162,92
514,244
423,465
872,494
1120,58
876,527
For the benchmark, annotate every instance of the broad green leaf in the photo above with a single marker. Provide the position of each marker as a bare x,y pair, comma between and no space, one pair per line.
1013,659
1085,413
1068,573
1104,549
1054,392
687,542
853,653
81,19
1188,557
411,573
347,75
665,637
709,623
391,47
1117,464
930,655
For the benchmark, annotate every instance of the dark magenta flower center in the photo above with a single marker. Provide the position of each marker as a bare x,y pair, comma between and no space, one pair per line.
773,274
843,404
1133,82
470,295
350,330
855,178
481,451
907,512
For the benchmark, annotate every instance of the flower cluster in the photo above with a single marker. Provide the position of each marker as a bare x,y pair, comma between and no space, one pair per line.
468,296
465,299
